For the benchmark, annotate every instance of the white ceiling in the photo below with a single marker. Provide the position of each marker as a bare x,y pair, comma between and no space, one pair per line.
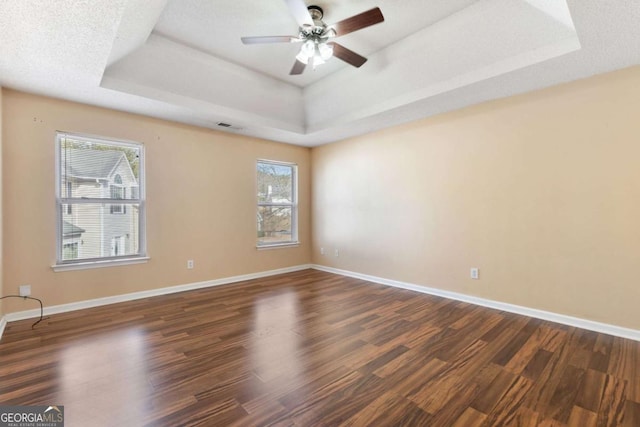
183,60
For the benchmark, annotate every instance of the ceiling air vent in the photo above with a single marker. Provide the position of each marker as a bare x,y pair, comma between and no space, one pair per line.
228,126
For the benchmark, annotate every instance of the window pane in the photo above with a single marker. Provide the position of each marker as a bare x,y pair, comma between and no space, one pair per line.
274,224
275,183
70,251
93,170
91,232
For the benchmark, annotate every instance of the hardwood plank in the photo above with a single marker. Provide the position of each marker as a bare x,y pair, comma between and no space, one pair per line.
612,405
514,346
494,391
565,394
601,353
581,417
631,414
506,411
581,358
470,418
631,371
590,394
540,397
537,364
390,409
527,352
449,383
525,417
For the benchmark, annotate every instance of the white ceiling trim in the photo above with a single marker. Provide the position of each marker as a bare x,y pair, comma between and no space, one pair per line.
171,72
138,19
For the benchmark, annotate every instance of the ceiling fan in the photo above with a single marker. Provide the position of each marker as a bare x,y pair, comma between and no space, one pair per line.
315,35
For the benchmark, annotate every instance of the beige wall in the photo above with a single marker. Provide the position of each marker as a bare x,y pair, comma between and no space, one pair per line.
540,191
200,202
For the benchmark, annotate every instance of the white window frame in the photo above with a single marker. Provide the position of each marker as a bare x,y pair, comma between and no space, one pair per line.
105,261
293,205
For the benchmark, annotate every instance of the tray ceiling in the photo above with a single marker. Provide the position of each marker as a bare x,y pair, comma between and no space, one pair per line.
183,60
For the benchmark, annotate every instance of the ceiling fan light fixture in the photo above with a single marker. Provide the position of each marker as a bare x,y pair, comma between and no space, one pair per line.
302,58
325,50
317,60
308,48
307,51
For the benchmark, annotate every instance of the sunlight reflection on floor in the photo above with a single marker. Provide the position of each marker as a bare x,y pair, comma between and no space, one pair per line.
87,380
275,346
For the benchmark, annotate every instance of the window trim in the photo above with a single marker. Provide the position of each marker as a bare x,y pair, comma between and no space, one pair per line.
106,261
99,264
294,206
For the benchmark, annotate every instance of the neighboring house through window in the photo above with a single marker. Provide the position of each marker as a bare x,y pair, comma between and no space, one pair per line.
118,191
277,215
117,245
71,237
70,250
98,178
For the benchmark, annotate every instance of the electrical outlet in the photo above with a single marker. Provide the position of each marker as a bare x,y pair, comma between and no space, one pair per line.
337,253
190,264
321,251
25,290
475,273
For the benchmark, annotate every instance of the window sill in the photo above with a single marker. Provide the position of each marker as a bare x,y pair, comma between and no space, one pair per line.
99,264
278,245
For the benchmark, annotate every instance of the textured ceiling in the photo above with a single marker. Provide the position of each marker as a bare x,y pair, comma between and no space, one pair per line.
183,60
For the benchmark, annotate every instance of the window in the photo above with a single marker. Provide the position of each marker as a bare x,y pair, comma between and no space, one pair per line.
93,177
277,203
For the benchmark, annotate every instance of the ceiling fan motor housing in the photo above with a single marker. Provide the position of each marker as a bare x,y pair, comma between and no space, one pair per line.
318,32
316,12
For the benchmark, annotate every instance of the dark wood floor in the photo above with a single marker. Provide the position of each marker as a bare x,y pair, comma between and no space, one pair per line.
313,348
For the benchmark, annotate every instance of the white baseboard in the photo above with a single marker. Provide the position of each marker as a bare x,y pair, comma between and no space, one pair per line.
591,325
3,323
63,308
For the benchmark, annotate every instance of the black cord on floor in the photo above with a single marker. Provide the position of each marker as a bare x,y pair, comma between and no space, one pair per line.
36,299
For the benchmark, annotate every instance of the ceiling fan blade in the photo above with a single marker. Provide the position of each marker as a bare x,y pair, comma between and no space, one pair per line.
347,55
297,68
299,11
358,22
269,39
